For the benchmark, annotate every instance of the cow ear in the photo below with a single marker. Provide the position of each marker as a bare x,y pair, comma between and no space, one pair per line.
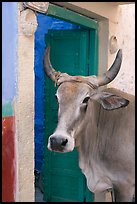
110,101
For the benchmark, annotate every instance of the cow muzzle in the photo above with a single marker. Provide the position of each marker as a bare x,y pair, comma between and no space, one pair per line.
57,143
60,144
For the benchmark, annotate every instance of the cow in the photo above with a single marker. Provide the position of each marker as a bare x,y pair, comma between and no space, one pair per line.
100,124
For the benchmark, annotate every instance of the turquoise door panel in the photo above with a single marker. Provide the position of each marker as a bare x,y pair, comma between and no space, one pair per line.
63,179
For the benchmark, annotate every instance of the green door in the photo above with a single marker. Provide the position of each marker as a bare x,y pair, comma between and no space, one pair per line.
63,179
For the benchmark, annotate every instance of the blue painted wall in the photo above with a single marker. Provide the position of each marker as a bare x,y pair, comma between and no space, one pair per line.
9,50
44,23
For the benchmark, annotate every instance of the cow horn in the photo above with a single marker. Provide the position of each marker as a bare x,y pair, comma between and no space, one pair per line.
100,81
50,71
113,70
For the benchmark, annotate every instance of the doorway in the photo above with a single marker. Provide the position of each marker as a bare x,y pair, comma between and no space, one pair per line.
80,55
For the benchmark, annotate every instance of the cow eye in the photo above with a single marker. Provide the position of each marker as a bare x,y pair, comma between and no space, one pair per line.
86,99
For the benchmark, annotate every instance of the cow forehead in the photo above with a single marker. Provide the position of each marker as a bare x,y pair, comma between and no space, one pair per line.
73,89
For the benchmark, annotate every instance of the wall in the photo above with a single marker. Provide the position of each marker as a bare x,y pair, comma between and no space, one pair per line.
124,30
9,91
44,23
17,104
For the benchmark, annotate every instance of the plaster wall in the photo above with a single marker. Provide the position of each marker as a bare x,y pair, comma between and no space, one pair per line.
24,111
124,30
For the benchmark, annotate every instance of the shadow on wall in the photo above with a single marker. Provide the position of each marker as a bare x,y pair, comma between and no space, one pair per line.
44,23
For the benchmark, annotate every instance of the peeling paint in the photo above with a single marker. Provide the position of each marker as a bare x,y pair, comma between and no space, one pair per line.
7,109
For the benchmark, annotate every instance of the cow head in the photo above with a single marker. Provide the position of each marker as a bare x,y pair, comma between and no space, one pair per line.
74,94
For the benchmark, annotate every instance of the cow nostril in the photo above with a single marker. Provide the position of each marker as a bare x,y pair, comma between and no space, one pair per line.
52,140
57,142
64,142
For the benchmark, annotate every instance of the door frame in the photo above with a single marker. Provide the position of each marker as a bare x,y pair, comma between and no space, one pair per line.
101,24
65,14
69,16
